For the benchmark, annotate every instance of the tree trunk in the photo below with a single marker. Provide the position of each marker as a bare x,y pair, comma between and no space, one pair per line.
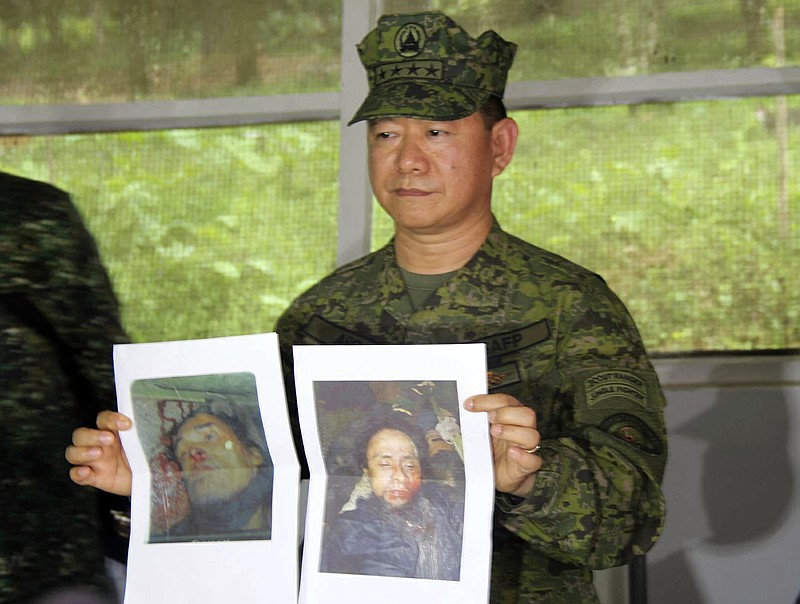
781,130
752,12
136,22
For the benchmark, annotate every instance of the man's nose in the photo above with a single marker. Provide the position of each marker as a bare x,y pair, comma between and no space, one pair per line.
399,474
197,454
411,157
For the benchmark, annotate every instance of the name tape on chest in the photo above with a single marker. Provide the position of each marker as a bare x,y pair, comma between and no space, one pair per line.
511,342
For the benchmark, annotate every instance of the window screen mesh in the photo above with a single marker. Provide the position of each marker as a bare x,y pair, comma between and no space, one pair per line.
91,51
574,38
690,211
205,232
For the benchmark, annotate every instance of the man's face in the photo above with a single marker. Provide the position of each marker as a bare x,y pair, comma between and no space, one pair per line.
435,176
215,464
393,467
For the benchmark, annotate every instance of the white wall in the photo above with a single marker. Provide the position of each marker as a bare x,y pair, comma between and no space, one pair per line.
732,534
733,523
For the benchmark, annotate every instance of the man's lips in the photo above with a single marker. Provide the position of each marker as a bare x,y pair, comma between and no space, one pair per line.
397,494
201,466
403,192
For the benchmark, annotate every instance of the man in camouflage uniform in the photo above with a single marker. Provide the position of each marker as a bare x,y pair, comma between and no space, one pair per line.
575,408
58,322
567,367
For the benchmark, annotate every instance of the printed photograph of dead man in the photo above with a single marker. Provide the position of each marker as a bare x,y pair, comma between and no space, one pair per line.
211,471
395,498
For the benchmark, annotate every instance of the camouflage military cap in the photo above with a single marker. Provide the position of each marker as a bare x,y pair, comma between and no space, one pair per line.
425,66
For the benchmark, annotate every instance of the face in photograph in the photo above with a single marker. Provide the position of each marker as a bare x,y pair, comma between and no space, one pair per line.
393,467
216,465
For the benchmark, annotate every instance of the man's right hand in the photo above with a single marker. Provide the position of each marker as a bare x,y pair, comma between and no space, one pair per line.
98,457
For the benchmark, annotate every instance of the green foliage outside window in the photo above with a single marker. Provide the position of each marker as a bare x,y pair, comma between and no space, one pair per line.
213,232
676,206
560,39
83,51
689,210
204,232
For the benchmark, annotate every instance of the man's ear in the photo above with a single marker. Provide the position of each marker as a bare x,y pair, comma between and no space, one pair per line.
504,141
254,457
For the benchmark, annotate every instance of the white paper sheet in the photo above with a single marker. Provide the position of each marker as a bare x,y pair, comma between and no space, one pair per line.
338,388
159,385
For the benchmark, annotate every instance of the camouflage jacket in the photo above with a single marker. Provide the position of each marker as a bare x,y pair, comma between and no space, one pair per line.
58,322
561,342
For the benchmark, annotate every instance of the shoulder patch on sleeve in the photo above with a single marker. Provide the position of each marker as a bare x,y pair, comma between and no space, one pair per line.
633,431
615,384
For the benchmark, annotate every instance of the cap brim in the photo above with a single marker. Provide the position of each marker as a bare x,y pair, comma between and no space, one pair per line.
423,101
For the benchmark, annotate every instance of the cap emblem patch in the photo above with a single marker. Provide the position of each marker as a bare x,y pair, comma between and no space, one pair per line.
410,40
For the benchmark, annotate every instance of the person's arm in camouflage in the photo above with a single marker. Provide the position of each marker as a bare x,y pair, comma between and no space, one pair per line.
58,286
596,500
57,295
77,298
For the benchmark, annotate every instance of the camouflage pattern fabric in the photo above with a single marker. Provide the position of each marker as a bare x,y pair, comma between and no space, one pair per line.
425,66
561,342
58,322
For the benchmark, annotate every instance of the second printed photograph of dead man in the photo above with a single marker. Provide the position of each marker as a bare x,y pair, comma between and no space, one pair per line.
395,490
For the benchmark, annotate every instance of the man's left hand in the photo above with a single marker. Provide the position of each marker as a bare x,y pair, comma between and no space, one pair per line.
512,426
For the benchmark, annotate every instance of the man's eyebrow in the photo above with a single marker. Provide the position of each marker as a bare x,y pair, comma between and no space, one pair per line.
390,455
379,121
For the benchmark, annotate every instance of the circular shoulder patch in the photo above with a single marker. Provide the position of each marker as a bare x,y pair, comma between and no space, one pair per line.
410,40
633,431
